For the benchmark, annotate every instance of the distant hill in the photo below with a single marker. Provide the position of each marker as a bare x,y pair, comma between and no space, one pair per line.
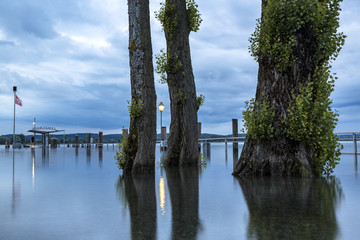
114,138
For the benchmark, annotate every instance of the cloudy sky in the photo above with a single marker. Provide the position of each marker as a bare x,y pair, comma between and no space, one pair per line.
69,59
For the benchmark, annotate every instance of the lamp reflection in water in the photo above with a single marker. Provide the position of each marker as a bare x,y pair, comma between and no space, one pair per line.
292,208
162,195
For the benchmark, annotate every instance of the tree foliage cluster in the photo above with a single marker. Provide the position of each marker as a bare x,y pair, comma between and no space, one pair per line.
135,108
166,64
276,34
309,117
167,17
120,154
126,145
258,119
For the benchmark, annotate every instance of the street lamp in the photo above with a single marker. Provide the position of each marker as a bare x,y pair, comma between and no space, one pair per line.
34,122
161,109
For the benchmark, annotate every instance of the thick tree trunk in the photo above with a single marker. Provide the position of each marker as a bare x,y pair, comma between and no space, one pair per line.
296,208
140,195
280,155
183,137
140,151
183,186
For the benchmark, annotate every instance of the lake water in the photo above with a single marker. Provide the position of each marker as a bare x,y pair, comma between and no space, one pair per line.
79,194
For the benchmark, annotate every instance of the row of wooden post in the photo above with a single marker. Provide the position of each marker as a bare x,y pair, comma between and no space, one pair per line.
99,143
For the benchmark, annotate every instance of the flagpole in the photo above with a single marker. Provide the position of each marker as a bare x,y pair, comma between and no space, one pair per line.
14,89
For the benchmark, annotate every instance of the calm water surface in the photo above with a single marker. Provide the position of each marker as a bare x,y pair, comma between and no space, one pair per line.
79,194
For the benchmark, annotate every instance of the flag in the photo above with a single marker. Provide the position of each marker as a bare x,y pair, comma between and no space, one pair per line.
18,100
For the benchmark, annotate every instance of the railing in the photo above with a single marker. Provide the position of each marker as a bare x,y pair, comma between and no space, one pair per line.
354,139
223,139
349,136
353,136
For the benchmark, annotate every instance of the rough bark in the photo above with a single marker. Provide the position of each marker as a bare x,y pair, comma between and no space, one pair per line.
280,156
138,192
183,136
140,151
296,208
183,186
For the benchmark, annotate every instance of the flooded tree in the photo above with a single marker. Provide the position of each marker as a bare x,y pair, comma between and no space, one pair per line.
139,147
290,122
179,18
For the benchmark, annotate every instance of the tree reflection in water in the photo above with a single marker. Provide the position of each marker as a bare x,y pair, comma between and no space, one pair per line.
183,183
283,208
138,192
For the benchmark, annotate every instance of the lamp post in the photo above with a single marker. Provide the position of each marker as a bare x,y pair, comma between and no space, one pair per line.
161,109
163,137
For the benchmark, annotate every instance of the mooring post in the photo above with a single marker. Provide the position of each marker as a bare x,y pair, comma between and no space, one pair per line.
163,139
88,142
235,133
199,130
100,140
53,143
355,144
207,150
76,141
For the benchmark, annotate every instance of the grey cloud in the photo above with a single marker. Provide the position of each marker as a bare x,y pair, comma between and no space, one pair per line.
20,20
7,43
35,21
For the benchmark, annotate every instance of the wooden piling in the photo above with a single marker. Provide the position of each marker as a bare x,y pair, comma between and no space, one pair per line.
235,132
199,129
88,137
53,143
163,133
100,140
76,141
163,139
355,143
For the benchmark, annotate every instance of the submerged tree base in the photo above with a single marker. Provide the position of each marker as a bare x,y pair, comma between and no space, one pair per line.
278,157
